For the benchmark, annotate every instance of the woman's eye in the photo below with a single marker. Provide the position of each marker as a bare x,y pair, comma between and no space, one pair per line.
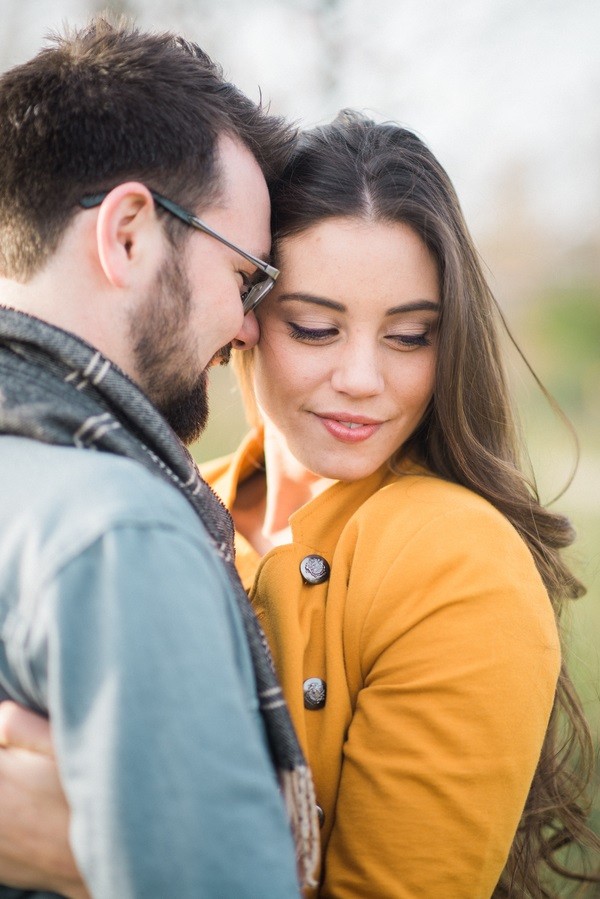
411,341
311,334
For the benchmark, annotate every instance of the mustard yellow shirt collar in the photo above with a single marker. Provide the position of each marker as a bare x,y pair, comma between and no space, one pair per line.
318,524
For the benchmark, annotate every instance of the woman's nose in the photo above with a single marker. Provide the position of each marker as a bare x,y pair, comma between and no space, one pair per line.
357,371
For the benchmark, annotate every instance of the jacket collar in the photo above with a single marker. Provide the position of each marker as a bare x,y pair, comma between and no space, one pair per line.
226,474
318,524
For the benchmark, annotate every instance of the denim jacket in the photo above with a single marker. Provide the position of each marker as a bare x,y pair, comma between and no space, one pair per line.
116,620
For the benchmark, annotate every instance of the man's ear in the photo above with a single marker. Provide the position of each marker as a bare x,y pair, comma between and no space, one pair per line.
127,233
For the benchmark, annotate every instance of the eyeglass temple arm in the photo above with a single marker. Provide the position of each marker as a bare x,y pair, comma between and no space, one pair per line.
89,202
195,222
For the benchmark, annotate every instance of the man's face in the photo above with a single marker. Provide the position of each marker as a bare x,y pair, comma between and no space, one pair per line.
165,357
194,307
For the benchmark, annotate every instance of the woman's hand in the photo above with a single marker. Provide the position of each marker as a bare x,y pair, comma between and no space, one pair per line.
34,815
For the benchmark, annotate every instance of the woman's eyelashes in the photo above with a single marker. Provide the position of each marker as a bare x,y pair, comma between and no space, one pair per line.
407,340
313,335
411,341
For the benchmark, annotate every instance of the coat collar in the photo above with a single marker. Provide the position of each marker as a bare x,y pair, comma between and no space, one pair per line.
318,524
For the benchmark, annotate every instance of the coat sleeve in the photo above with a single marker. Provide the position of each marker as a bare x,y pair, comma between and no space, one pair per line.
459,659
159,743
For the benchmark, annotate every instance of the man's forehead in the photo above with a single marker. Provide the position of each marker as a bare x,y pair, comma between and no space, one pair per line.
241,175
244,203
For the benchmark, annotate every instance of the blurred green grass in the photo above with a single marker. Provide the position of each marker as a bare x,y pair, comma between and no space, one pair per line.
226,421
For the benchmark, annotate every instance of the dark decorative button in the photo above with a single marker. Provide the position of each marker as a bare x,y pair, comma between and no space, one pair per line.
315,693
320,816
314,569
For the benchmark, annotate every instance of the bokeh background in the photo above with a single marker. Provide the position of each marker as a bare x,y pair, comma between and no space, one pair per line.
507,94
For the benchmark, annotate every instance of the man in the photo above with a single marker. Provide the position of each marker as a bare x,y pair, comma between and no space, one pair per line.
120,612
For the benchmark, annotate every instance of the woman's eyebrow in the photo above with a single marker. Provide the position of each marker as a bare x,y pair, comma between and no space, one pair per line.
310,298
415,306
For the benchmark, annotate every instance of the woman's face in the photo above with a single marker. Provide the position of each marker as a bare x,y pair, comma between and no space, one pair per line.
344,369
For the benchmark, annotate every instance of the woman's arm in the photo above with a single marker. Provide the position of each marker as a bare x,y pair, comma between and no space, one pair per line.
34,816
460,657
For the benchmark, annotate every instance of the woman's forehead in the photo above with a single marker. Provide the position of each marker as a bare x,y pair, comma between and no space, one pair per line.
339,256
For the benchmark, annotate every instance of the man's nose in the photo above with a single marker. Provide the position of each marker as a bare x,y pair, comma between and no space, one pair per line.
248,335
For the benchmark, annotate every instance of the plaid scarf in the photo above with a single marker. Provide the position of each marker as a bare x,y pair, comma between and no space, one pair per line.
58,389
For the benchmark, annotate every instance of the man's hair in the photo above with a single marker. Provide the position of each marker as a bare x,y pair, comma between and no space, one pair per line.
109,103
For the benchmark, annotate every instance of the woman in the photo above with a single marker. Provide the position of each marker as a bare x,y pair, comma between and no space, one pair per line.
407,577
409,591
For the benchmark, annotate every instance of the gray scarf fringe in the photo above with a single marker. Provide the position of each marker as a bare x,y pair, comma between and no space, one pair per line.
57,389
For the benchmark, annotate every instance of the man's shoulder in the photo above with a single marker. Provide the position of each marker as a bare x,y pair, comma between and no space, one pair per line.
99,518
63,486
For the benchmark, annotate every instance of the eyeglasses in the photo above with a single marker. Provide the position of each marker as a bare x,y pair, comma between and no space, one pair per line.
255,292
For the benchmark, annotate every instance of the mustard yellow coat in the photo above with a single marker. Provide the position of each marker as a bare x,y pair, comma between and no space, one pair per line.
436,641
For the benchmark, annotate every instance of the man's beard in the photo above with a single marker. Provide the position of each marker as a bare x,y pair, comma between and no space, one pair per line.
164,355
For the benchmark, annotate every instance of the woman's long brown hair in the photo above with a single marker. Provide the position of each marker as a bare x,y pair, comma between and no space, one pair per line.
385,173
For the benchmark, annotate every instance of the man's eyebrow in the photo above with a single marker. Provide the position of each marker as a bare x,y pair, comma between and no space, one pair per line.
413,306
264,257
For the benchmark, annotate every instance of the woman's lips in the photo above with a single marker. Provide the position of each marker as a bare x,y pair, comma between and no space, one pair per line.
349,429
